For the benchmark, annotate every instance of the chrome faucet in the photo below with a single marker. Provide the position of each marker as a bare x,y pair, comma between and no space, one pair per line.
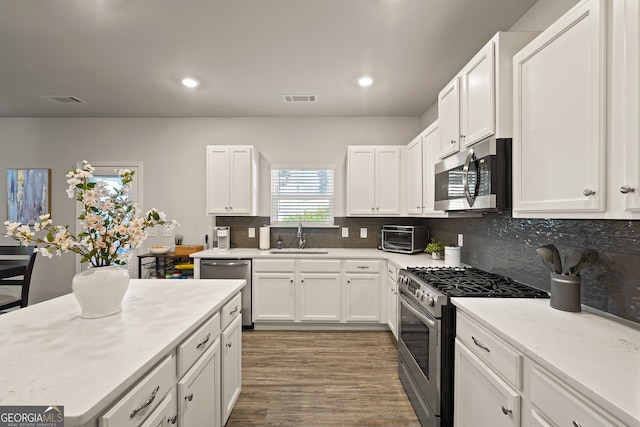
300,236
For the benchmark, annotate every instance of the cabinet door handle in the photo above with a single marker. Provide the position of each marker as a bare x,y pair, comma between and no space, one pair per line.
234,310
228,345
203,343
588,192
189,397
505,410
626,189
576,424
145,404
479,344
173,419
453,141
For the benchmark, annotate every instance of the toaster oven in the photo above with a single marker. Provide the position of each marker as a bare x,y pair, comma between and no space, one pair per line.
406,239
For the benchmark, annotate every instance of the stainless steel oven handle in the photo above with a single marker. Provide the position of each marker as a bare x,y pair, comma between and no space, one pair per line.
429,322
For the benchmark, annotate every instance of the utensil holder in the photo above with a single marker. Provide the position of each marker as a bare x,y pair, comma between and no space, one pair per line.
565,292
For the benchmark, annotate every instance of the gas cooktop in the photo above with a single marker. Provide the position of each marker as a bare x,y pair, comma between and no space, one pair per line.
473,282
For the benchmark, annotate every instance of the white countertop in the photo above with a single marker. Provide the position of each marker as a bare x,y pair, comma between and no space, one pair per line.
594,353
401,260
51,356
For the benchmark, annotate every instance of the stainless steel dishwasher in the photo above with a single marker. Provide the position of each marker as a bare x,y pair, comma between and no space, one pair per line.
231,269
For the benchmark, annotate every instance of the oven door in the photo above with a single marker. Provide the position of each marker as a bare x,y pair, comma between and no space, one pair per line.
419,350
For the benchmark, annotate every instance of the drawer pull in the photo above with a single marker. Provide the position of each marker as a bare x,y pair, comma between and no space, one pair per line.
189,397
206,340
505,410
362,266
145,404
576,424
479,344
234,311
173,419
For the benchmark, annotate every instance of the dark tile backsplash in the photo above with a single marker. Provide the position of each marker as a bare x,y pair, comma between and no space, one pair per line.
315,237
505,245
501,244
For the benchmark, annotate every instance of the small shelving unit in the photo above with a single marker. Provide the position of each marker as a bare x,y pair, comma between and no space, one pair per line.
164,264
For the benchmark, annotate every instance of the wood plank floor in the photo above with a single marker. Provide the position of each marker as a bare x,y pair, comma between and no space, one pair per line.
318,378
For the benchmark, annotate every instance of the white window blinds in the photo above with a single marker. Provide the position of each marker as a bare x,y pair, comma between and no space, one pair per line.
302,195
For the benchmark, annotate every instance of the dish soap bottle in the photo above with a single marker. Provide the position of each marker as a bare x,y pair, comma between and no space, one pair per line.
279,243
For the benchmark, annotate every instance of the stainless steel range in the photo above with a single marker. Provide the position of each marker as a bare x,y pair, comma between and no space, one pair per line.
427,331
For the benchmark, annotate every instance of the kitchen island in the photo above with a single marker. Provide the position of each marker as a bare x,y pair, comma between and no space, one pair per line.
51,356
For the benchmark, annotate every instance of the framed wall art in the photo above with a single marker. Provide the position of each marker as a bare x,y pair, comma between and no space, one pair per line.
28,194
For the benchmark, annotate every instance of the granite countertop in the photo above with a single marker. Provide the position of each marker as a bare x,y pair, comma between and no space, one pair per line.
401,260
595,353
51,356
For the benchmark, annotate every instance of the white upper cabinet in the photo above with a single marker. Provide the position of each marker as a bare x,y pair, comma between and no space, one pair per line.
476,104
232,180
560,123
422,155
626,57
373,180
415,177
449,116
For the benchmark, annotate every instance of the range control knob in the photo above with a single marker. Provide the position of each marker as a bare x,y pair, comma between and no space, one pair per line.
430,300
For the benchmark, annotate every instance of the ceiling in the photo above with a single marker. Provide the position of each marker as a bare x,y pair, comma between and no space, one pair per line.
125,58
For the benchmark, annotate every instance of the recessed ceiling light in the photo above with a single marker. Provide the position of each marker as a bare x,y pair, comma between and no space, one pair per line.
190,82
365,81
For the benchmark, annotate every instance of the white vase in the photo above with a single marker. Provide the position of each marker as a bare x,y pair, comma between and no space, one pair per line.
100,290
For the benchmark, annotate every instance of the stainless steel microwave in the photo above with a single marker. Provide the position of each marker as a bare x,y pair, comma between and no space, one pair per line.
405,239
478,178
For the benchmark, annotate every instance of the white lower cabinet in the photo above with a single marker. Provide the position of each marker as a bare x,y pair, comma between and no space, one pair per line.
496,385
165,415
320,297
318,291
273,290
362,291
482,398
231,366
139,402
199,391
556,405
392,298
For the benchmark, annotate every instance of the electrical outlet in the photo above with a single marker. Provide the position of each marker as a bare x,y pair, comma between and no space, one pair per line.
252,233
167,232
363,233
345,231
152,232
460,240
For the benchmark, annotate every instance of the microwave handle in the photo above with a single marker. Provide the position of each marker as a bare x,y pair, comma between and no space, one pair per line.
471,198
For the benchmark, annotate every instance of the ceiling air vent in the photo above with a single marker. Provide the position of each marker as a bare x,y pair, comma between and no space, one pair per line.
64,99
299,98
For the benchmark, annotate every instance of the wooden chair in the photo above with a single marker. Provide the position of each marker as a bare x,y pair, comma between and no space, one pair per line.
17,255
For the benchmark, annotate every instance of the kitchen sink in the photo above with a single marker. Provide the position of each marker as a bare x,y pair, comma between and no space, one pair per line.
286,252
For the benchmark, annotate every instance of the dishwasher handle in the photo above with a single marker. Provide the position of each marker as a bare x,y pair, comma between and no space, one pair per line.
223,263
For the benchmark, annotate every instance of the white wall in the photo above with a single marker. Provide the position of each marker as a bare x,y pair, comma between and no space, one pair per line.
172,152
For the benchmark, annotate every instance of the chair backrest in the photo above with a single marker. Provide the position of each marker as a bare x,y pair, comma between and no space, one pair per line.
16,252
